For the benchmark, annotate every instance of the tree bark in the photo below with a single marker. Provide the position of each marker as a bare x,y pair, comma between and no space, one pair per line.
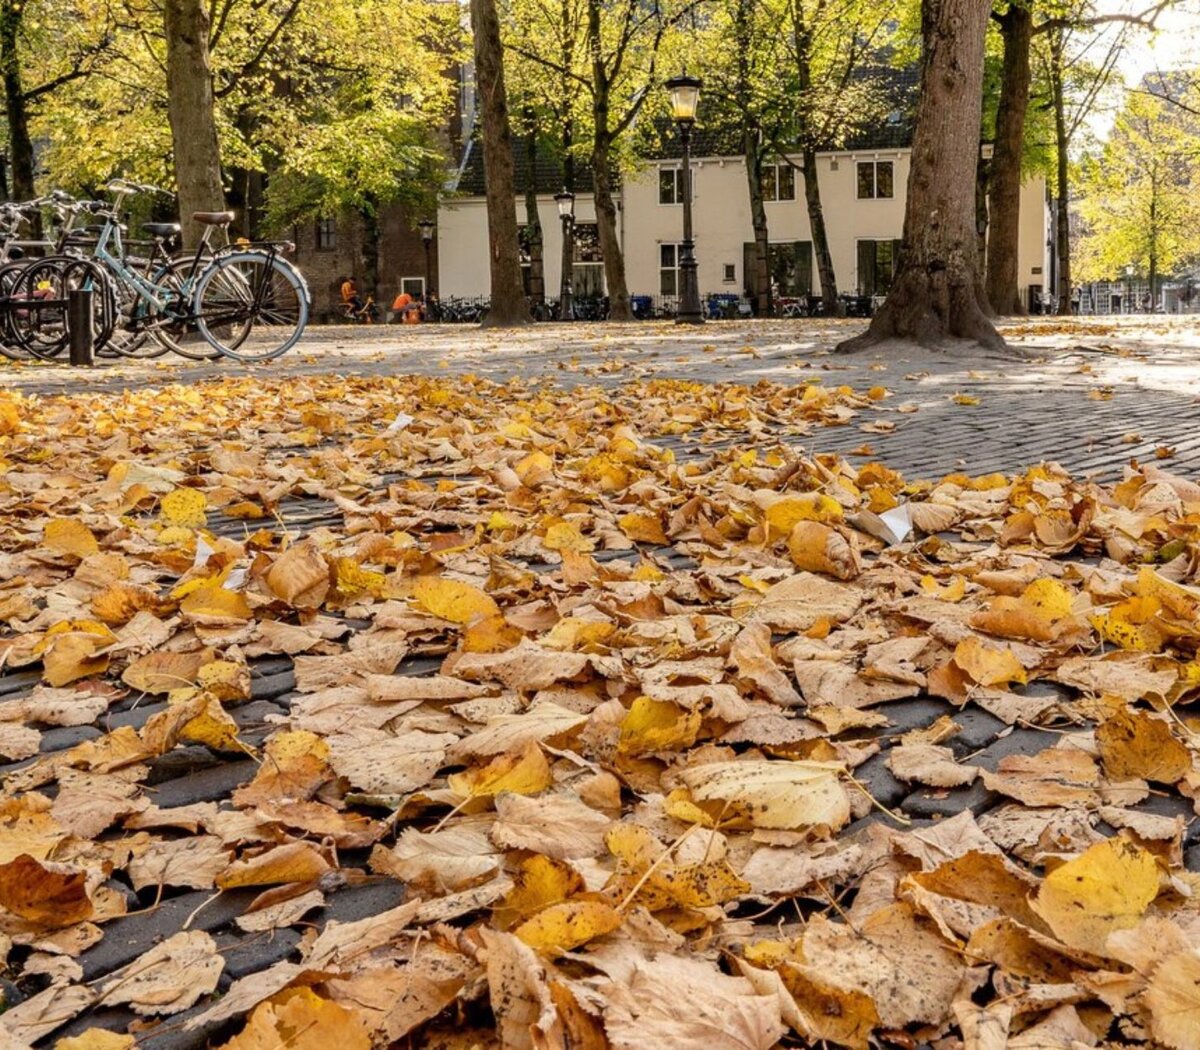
802,43
759,281
20,145
1062,218
935,293
533,222
619,307
191,111
816,221
1004,194
508,306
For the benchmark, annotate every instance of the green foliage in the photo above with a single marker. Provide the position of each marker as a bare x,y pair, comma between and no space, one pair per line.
1140,193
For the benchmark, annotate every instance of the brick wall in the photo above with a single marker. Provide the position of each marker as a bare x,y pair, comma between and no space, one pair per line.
401,254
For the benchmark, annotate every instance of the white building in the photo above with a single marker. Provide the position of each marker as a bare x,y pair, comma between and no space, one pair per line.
862,195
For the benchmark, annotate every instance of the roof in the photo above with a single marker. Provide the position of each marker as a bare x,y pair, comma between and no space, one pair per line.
548,173
895,131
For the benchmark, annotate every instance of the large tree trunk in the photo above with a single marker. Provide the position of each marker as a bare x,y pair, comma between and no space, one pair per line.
20,145
508,307
533,222
192,113
1004,195
820,236
759,279
935,292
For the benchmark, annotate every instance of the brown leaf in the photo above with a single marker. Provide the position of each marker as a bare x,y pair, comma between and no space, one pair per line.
292,862
168,978
45,893
300,576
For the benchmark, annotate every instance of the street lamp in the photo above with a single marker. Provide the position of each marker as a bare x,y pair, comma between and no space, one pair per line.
427,227
685,97
566,212
1129,288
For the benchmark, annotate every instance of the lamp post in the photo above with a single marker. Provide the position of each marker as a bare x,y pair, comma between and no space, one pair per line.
1129,288
426,226
566,213
685,98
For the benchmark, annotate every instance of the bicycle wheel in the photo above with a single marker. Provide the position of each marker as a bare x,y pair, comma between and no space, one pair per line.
251,306
38,306
169,329
10,345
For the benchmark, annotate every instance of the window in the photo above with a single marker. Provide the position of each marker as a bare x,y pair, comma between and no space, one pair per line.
876,266
414,286
875,180
670,186
789,268
668,269
587,276
779,183
326,235
730,273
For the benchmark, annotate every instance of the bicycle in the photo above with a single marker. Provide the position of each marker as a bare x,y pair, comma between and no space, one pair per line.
242,300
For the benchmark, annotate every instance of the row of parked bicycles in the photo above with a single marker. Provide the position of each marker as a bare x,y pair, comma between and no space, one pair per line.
145,297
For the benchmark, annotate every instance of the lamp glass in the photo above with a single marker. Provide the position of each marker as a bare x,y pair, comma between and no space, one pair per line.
566,204
685,97
426,226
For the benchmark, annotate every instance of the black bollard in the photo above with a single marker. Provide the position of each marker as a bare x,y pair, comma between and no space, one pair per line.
79,326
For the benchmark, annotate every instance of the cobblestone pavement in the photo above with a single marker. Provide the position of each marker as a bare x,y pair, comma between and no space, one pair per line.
1094,393
1092,396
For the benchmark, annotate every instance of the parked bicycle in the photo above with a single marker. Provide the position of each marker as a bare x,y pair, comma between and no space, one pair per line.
241,300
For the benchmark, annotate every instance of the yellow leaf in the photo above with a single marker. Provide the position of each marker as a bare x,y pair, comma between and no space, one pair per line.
216,605
525,772
353,581
534,469
67,536
954,591
564,536
299,1019
73,656
1131,624
1041,614
783,514
453,600
214,728
10,418
295,765
643,528
562,927
1136,745
772,794
96,1039
538,882
1108,888
291,862
163,671
965,399
225,680
988,665
492,634
44,893
657,725
184,508
815,547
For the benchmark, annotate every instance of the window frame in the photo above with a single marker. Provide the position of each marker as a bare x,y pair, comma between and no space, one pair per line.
672,269
325,234
676,186
408,280
773,180
874,167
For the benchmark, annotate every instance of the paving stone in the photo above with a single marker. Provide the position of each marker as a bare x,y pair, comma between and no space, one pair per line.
245,953
63,737
979,728
945,802
205,785
875,776
180,762
1191,858
357,902
125,939
272,685
916,713
1018,740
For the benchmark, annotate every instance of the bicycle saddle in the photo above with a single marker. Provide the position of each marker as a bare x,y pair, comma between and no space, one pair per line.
213,218
161,229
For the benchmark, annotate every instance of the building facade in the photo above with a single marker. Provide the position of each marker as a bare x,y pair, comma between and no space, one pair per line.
863,198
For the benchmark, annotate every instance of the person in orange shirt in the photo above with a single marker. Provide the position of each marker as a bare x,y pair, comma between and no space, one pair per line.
406,309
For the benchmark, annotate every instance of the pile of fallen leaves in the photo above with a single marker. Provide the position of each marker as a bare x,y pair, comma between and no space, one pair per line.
626,807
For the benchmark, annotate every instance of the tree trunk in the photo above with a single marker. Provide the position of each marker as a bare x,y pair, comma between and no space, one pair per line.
758,281
15,104
1004,194
508,307
983,171
191,111
816,221
533,222
1062,218
935,292
619,308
